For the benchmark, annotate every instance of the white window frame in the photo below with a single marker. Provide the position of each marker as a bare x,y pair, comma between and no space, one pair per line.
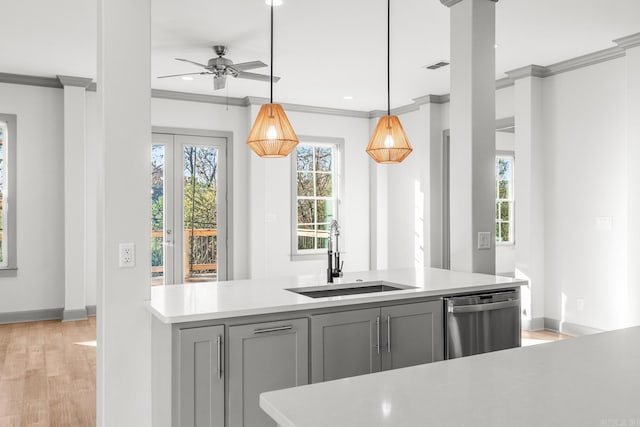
8,267
507,155
338,171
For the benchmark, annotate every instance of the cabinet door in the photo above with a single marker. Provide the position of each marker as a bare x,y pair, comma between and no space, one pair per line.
412,334
264,357
201,380
345,344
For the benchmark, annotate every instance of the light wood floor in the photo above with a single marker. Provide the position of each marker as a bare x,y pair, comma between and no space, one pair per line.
541,337
48,374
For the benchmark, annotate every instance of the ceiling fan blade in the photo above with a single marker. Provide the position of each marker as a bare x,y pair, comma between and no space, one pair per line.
176,75
219,82
191,62
248,65
254,76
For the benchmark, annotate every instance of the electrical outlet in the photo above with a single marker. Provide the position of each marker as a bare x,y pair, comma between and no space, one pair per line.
127,255
484,240
580,304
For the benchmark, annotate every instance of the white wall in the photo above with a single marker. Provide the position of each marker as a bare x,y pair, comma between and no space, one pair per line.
39,283
584,115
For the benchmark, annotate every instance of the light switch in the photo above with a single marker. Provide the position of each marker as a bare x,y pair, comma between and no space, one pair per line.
484,240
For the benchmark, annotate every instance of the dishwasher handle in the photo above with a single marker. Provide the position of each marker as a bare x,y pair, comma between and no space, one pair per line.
476,308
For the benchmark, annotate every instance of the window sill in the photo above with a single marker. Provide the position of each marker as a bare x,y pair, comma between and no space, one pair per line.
9,272
309,257
505,244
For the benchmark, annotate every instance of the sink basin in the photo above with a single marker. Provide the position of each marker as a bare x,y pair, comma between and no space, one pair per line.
324,291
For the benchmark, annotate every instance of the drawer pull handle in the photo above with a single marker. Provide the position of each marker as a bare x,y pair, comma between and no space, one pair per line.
219,348
276,329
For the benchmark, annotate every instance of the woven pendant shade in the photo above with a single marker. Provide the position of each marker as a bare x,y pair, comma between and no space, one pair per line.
272,134
389,143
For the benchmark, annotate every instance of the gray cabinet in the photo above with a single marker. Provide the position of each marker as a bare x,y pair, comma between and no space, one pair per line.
412,334
200,377
357,342
345,344
264,357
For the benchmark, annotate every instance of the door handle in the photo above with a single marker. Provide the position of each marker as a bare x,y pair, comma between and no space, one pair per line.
378,334
219,351
475,308
388,333
276,329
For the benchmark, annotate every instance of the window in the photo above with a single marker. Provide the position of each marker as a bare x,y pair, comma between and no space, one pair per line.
316,180
504,199
7,191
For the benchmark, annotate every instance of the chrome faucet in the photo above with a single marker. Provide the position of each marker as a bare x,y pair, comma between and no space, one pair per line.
334,268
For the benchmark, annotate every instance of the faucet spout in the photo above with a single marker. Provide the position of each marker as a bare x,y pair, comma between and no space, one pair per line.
334,266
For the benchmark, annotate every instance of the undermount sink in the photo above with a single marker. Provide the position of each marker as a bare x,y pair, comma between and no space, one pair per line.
324,291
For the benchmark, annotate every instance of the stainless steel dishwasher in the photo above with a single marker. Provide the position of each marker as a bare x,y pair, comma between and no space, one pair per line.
482,323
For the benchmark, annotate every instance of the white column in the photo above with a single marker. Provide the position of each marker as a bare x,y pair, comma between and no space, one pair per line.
631,44
529,184
75,136
123,322
472,122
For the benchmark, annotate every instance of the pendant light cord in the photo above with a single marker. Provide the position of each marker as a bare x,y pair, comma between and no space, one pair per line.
388,57
271,77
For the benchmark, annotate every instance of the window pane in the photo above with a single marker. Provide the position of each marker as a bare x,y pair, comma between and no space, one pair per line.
200,212
305,157
323,159
306,237
306,212
325,211
504,211
504,231
3,135
305,184
498,238
498,210
323,235
503,189
323,185
157,214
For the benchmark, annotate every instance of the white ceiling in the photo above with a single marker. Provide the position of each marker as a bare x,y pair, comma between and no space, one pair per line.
324,50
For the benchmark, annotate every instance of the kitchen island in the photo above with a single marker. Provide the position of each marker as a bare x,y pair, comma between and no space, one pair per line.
217,346
588,381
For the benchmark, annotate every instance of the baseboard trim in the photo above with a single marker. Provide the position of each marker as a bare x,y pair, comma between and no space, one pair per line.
70,315
568,328
46,314
31,315
536,324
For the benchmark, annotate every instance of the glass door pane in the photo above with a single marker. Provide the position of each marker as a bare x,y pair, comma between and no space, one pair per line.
200,213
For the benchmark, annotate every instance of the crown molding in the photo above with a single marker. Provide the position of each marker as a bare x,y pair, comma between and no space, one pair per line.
21,79
629,41
256,100
503,82
528,71
450,3
199,97
585,60
82,82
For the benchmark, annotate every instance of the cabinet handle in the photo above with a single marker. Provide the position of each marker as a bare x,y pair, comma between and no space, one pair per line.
219,349
378,334
388,333
276,329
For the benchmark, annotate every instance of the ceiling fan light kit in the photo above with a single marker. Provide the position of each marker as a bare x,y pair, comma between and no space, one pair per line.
272,135
389,142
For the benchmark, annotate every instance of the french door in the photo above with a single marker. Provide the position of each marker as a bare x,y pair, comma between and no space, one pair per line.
188,209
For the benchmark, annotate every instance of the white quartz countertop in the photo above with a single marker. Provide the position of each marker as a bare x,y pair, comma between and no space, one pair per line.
220,300
588,381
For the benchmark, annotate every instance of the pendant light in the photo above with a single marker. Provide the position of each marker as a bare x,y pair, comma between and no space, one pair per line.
389,143
272,134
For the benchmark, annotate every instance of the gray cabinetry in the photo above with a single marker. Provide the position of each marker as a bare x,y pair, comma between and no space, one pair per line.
412,334
359,342
345,344
201,377
264,357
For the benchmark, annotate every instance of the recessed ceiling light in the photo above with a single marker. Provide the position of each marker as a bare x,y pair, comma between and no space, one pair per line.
275,2
348,97
187,78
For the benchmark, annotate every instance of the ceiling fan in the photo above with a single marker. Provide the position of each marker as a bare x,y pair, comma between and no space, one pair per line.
222,67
